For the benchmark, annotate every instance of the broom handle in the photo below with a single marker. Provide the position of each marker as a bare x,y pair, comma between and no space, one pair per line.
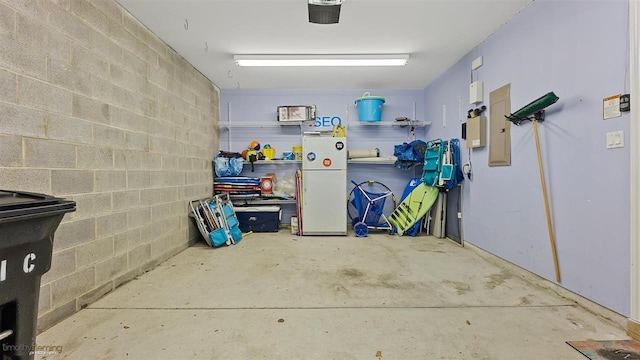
546,202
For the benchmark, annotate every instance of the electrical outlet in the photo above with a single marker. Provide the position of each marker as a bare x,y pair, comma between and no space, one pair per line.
615,139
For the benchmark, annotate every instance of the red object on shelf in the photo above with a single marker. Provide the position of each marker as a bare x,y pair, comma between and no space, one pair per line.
266,185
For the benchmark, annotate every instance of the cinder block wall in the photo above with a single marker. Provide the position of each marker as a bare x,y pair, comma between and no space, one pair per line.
95,108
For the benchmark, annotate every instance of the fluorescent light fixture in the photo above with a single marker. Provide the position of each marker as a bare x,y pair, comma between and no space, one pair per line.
321,60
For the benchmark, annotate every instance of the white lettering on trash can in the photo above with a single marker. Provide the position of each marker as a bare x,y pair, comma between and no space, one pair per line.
3,270
27,265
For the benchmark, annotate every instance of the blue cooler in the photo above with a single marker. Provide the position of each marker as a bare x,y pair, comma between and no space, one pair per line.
259,218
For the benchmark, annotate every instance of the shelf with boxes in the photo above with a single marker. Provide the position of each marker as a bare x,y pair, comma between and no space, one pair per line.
386,160
272,186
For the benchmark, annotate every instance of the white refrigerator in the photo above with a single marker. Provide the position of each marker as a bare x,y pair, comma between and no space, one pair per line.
324,184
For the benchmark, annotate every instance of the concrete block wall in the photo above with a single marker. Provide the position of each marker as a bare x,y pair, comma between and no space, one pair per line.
95,108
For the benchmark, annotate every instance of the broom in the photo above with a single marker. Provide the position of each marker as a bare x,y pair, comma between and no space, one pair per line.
534,112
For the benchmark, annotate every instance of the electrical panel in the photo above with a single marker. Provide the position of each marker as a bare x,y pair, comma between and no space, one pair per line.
476,131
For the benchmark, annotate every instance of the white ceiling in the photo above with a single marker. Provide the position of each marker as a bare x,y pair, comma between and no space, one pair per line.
435,33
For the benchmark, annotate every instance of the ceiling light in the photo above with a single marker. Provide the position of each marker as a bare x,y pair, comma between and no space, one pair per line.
321,60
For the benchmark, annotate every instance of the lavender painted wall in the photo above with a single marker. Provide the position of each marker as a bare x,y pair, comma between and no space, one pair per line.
578,50
237,106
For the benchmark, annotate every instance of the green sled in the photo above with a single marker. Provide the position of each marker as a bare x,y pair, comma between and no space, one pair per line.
413,207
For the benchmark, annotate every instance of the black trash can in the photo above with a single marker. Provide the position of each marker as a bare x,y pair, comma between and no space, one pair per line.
27,224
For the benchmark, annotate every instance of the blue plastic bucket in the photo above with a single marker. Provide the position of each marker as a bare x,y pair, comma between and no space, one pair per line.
369,107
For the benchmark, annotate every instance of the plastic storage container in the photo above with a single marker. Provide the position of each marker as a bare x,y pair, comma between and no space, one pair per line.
369,108
28,222
259,218
297,152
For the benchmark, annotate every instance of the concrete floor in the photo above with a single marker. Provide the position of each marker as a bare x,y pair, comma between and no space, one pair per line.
279,296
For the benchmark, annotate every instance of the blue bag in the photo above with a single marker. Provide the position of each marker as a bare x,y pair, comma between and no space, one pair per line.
226,165
409,154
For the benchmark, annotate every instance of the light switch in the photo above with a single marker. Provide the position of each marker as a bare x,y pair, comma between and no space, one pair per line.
615,139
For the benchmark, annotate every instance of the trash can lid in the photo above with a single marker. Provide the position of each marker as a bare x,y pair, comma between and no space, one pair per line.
17,203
